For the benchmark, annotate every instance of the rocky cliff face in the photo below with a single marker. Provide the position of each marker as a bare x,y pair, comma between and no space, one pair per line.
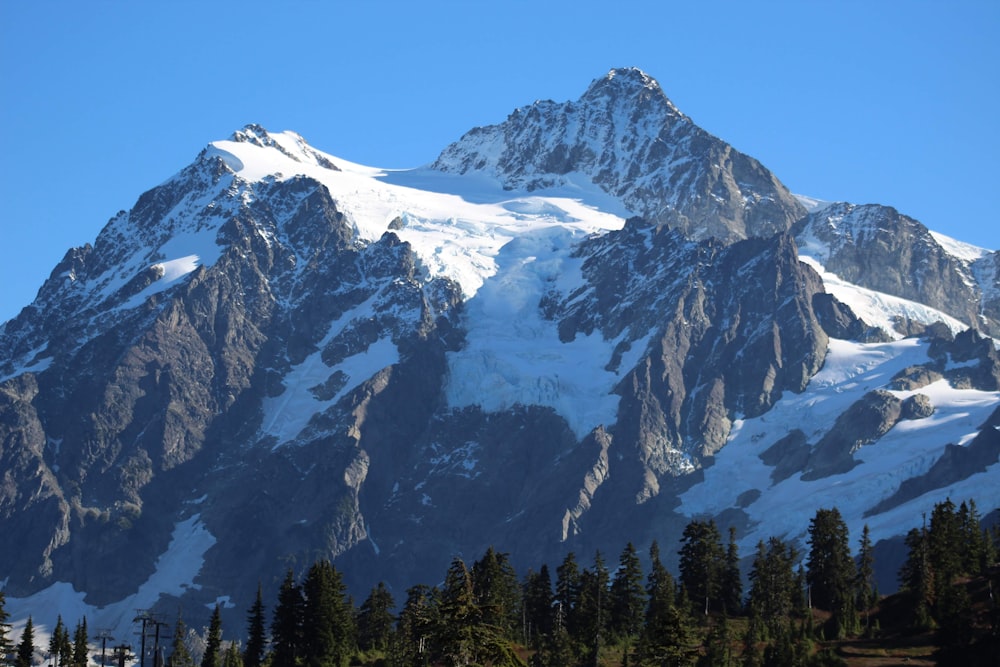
624,135
273,358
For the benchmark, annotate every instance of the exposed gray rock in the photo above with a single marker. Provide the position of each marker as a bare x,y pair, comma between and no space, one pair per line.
917,406
862,424
788,456
915,377
629,139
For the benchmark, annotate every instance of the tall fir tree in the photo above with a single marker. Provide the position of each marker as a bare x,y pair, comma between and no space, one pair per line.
6,647
772,584
58,641
253,655
375,619
180,656
701,563
496,590
328,619
567,590
81,650
459,615
732,580
588,621
830,570
25,655
539,619
628,596
917,577
417,625
866,595
286,625
213,641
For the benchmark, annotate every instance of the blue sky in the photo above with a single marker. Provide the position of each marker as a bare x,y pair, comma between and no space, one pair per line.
892,102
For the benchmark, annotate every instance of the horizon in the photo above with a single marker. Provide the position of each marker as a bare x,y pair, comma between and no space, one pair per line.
887,104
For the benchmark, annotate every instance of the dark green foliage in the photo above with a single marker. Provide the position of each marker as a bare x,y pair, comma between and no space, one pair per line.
628,596
26,647
375,619
213,643
667,635
773,586
286,626
327,618
567,589
80,649
6,647
732,581
60,649
830,572
718,646
179,654
231,656
588,620
418,623
702,563
539,613
865,585
497,592
459,615
253,655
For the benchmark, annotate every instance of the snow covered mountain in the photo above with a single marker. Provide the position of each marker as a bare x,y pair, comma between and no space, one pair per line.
577,328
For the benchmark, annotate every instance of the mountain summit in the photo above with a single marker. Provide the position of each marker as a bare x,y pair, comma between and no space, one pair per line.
575,329
625,136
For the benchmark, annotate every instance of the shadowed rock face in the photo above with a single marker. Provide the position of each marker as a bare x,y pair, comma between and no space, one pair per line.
624,135
876,247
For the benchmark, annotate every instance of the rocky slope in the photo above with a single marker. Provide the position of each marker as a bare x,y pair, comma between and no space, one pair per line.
277,356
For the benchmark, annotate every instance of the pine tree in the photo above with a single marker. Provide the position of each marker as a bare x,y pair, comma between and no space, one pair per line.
59,646
917,577
496,591
81,651
327,620
459,615
567,589
231,656
417,625
973,545
830,570
180,656
286,626
6,647
253,656
588,621
628,597
26,648
772,587
944,547
538,600
213,642
732,580
375,619
701,563
865,586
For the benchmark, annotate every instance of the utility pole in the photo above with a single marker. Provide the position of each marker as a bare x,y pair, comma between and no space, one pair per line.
104,636
122,653
142,616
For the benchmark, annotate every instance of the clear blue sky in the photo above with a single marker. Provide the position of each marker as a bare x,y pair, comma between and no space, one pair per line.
894,101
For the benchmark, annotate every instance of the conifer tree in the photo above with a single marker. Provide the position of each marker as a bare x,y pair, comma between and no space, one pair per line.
628,597
253,656
973,547
830,570
231,656
375,619
6,647
538,601
286,626
459,615
328,619
59,645
588,621
180,656
701,563
732,580
866,595
772,587
496,591
417,625
567,589
213,642
81,651
26,647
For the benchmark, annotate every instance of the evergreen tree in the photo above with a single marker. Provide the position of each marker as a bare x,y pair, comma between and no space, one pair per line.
701,563
588,620
459,615
375,619
328,619
81,651
667,633
628,597
231,656
973,547
772,587
567,589
26,648
732,580
718,646
286,626
59,645
180,656
496,591
830,570
866,572
538,609
213,642
917,577
253,656
944,547
6,647
417,625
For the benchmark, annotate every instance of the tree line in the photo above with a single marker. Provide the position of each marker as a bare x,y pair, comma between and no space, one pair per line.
486,614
